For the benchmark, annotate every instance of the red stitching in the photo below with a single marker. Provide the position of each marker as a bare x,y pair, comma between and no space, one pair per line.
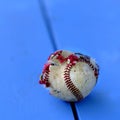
45,76
73,59
86,59
73,89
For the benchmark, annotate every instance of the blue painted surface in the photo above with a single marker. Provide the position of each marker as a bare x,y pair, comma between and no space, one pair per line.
24,48
92,27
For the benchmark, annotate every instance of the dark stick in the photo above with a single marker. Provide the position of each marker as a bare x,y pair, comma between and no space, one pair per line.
72,104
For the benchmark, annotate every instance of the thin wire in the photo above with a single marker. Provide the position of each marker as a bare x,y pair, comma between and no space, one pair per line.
52,38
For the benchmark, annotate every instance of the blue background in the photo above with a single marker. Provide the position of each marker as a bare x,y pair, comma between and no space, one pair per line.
26,40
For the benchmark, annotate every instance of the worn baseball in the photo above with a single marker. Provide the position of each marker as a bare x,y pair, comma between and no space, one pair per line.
69,76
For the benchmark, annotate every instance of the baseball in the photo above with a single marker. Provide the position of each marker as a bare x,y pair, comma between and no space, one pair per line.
69,76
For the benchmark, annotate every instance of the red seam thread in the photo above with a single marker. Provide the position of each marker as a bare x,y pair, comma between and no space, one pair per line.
73,89
87,60
45,74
